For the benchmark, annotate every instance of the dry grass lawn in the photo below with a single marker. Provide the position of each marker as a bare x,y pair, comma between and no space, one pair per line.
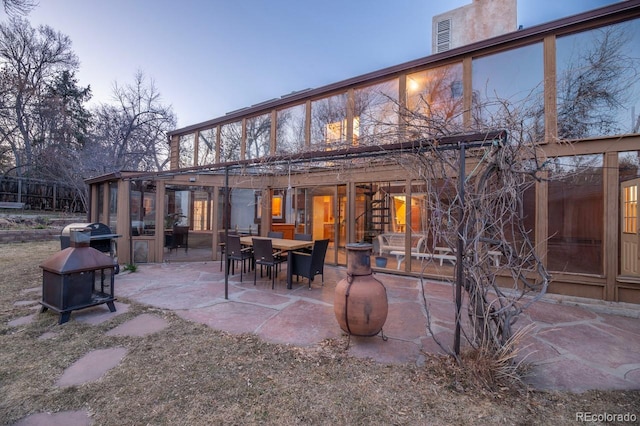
189,374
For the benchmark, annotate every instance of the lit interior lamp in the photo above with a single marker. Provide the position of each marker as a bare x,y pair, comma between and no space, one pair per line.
413,85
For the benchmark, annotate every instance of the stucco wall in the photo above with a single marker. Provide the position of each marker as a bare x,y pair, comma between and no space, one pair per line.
477,21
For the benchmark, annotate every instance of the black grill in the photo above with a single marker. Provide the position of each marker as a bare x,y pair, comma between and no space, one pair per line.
101,239
97,230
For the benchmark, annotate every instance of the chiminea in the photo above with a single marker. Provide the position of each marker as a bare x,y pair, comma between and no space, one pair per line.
360,301
77,277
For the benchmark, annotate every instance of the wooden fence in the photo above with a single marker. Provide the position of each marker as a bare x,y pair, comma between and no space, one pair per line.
39,194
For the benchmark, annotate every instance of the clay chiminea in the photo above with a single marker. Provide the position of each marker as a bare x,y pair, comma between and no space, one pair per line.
360,302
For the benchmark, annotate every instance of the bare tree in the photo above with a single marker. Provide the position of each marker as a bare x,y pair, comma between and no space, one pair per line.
481,216
30,59
18,7
131,133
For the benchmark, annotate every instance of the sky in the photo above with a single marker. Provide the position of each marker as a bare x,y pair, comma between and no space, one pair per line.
210,57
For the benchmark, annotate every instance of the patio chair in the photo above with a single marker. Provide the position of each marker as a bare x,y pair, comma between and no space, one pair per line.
265,256
277,234
179,238
236,253
221,244
303,237
308,265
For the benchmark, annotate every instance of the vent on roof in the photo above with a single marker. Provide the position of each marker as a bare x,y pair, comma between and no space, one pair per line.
443,35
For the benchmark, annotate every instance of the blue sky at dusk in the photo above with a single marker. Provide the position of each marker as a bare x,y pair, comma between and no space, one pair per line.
209,57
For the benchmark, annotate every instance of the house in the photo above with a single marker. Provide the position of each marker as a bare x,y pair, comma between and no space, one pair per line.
571,85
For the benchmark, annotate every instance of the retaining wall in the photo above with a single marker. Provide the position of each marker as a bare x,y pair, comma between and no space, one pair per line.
24,235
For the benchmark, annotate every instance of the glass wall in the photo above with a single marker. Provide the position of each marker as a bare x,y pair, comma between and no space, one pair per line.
375,116
380,207
434,102
329,123
290,129
113,206
207,147
576,223
100,204
508,91
418,204
245,208
230,141
321,212
385,214
202,210
177,206
142,209
301,205
598,83
258,136
186,150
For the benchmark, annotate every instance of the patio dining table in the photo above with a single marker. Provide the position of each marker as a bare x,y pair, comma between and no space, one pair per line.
283,244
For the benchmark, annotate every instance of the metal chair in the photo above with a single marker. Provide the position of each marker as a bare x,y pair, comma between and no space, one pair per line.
308,265
275,234
236,253
264,256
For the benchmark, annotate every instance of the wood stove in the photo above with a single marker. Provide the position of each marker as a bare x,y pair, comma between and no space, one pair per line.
77,277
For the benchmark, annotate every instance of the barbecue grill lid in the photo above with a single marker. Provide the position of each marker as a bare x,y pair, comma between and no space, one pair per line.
96,228
77,259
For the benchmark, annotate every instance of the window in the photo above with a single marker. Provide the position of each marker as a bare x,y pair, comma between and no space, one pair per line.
329,122
206,147
576,215
598,84
336,131
113,206
258,136
434,101
142,207
186,150
290,129
100,215
202,209
375,113
230,141
277,207
630,218
508,88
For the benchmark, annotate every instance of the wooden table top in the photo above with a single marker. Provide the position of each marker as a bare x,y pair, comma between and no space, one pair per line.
279,243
